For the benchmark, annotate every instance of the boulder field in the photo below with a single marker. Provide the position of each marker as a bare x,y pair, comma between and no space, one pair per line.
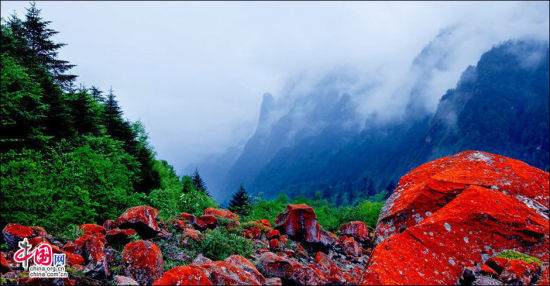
470,219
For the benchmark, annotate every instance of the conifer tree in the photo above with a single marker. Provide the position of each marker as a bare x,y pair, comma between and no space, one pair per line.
97,94
38,37
241,203
199,183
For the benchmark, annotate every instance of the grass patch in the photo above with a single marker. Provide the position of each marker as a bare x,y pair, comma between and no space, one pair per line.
511,255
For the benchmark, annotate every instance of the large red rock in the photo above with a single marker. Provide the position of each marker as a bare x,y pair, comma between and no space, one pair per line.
183,275
519,271
4,265
289,270
91,247
91,228
455,213
143,219
221,213
210,221
229,273
246,266
300,222
14,233
356,229
143,261
72,258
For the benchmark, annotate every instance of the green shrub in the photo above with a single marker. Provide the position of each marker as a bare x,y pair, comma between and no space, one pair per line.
330,217
89,179
194,201
511,255
218,245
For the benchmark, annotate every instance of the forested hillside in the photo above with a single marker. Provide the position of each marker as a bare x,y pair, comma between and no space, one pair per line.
500,106
67,152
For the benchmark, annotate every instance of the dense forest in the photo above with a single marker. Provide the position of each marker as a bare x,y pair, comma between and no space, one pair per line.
69,156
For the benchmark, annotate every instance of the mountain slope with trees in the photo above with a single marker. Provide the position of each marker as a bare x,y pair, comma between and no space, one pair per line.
500,105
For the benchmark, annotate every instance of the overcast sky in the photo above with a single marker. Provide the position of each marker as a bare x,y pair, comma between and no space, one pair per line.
195,73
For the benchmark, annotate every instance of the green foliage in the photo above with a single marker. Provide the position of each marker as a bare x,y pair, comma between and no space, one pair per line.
329,216
511,255
88,179
71,232
241,202
67,156
220,244
195,200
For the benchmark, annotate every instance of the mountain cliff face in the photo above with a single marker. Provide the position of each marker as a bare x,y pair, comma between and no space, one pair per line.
500,105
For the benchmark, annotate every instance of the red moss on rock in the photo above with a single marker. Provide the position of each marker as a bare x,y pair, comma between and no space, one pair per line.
143,219
230,272
221,213
179,225
246,266
300,222
476,225
428,188
356,229
72,258
350,246
14,233
272,234
183,275
4,265
91,228
143,261
210,221
274,244
519,271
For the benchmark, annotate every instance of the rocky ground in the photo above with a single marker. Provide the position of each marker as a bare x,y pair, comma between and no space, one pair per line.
471,219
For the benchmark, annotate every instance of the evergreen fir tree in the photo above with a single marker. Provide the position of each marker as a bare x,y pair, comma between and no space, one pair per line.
199,183
241,203
38,37
97,94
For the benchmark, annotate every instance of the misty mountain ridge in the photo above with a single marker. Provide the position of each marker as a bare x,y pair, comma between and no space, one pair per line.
318,140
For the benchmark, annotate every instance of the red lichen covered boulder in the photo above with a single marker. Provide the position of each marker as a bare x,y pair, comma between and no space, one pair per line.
221,213
274,244
519,271
72,258
455,213
91,247
91,228
289,270
209,221
300,222
428,188
143,261
273,234
350,246
356,229
183,275
143,219
123,280
246,266
118,235
4,265
14,233
227,273
179,225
